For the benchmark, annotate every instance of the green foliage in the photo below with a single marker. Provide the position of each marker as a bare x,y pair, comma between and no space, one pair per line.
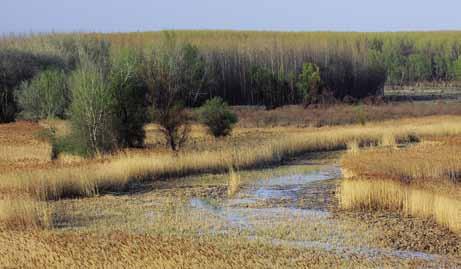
419,68
109,107
267,87
92,109
243,68
194,77
309,82
46,96
457,69
130,93
218,117
70,144
16,67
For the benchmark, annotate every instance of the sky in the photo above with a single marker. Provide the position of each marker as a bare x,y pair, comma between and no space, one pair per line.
26,16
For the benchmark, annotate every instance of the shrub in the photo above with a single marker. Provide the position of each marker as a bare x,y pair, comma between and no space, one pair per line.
70,144
46,96
217,116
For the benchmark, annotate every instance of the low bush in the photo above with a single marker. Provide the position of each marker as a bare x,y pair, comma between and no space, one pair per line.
69,144
218,117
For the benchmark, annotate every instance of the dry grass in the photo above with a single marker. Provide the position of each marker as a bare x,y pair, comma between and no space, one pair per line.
388,140
122,250
392,195
233,183
21,147
341,114
421,180
160,229
353,147
22,213
116,172
427,161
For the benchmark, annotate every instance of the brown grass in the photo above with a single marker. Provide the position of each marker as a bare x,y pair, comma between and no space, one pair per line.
22,213
341,114
115,173
234,182
421,180
393,195
21,146
427,161
122,250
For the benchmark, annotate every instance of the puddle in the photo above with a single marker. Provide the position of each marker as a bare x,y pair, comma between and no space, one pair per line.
302,179
237,214
288,187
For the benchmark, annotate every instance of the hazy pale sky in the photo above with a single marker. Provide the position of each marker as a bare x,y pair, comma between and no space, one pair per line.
24,16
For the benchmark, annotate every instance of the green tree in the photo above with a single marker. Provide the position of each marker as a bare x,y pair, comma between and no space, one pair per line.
194,77
16,67
46,96
267,85
309,83
92,109
420,68
130,93
457,69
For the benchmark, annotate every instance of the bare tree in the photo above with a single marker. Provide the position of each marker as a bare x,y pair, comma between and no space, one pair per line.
165,78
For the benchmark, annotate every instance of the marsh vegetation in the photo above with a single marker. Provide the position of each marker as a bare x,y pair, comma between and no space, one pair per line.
228,149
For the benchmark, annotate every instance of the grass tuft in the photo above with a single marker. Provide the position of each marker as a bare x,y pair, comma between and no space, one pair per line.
233,183
396,196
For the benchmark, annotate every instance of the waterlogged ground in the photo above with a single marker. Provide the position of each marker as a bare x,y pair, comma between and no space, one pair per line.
292,208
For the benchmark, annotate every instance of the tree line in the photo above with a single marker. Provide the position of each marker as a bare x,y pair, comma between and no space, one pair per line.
270,76
110,85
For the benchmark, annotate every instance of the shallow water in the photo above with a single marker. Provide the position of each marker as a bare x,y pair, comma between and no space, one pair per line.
264,205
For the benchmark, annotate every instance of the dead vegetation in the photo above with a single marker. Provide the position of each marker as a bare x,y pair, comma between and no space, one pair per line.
421,180
341,114
114,173
109,235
